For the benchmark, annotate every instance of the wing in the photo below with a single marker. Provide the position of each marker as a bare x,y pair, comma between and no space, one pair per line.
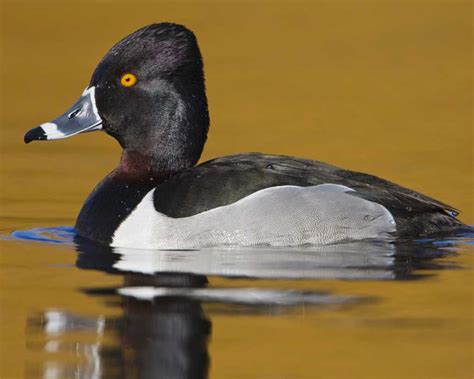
228,179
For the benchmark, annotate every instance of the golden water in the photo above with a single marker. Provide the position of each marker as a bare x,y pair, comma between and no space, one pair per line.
379,87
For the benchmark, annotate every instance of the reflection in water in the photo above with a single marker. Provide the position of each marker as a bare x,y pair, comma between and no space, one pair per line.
55,325
163,330
165,338
359,260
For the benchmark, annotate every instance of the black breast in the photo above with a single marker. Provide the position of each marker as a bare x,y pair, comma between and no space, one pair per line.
111,201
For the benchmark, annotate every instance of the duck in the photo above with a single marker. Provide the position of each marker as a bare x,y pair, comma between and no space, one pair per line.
148,92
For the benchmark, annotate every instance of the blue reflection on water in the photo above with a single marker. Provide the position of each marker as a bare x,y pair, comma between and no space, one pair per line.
56,235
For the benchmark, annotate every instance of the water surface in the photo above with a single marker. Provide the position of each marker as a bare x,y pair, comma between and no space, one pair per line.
148,313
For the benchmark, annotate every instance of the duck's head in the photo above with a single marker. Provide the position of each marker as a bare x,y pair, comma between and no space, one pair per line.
148,93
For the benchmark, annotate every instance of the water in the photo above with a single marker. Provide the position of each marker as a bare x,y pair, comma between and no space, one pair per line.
379,87
165,303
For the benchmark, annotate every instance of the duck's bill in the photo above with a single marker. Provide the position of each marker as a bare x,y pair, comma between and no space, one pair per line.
81,117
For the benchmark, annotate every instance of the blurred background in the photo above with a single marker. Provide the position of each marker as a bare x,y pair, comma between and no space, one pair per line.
383,87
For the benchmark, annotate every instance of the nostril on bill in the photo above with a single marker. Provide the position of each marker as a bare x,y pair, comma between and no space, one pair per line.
74,113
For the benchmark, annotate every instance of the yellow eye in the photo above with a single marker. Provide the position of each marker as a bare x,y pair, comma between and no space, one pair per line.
128,80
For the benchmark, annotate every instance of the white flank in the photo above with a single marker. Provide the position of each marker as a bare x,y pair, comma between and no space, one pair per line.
276,216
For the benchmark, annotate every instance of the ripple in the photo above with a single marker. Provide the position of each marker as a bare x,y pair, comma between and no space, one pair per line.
56,235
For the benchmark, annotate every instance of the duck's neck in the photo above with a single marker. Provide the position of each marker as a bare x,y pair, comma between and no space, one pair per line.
137,166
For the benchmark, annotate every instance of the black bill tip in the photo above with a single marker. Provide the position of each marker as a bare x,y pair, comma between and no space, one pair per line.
35,134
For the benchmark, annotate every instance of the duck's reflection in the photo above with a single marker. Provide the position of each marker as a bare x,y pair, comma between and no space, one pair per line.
354,261
164,338
163,331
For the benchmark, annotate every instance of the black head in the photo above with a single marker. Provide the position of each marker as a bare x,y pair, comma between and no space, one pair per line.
147,92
